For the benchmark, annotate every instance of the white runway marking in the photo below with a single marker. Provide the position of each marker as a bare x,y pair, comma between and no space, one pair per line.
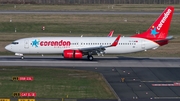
166,97
158,81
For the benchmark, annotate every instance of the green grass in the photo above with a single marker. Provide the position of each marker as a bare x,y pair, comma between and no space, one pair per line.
81,24
54,83
99,29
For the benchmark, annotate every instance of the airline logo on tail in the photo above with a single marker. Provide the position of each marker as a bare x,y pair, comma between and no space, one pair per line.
163,20
153,31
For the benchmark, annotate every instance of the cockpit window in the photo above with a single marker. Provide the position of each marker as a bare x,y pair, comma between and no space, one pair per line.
15,43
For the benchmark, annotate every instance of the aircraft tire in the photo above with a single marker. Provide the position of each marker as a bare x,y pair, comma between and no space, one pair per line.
90,57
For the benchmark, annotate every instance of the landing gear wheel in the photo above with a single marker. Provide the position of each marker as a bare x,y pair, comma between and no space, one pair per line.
90,57
22,57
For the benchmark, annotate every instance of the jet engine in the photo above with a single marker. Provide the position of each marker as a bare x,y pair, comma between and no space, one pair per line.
76,54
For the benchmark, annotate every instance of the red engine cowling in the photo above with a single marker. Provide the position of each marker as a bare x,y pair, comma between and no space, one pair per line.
76,54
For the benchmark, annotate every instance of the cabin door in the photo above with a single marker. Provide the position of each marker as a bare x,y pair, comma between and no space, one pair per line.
143,44
26,44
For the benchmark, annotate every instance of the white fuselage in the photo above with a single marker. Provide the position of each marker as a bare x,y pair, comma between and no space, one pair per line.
56,45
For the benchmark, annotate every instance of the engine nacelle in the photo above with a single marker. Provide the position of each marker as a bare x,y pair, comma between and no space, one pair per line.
76,54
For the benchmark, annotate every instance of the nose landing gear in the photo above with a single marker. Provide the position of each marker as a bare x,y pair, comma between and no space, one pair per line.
19,54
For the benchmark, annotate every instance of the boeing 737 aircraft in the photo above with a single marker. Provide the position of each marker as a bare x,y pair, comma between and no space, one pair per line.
77,47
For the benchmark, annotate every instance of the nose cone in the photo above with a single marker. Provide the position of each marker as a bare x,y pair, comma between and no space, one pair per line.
8,47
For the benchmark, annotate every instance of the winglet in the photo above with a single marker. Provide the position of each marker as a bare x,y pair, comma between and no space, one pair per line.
110,33
116,41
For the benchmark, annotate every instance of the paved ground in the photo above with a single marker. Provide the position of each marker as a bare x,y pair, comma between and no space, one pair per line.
138,82
57,61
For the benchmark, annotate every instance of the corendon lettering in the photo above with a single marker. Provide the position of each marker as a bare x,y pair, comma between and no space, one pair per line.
163,19
55,43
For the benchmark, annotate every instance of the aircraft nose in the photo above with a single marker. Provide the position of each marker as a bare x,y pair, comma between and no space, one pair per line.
8,47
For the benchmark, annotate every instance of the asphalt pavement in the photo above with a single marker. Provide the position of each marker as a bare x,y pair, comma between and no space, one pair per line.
119,61
138,82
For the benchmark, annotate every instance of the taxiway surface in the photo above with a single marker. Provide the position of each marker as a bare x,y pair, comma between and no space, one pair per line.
138,83
55,61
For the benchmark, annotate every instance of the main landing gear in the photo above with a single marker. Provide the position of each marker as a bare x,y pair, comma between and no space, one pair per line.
90,57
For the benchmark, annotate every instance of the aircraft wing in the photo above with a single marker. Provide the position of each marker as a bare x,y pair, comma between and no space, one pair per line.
102,48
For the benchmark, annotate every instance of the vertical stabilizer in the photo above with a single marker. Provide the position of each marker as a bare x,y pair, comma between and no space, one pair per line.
110,33
159,29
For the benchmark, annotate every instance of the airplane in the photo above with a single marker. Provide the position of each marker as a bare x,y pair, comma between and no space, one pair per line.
77,47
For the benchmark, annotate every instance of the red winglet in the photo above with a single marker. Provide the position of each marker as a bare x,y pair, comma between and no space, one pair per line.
116,41
110,33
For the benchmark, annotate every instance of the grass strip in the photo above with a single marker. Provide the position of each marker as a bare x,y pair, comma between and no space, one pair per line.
54,83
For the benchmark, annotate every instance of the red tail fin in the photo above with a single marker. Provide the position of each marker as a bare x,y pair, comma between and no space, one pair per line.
159,29
110,33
